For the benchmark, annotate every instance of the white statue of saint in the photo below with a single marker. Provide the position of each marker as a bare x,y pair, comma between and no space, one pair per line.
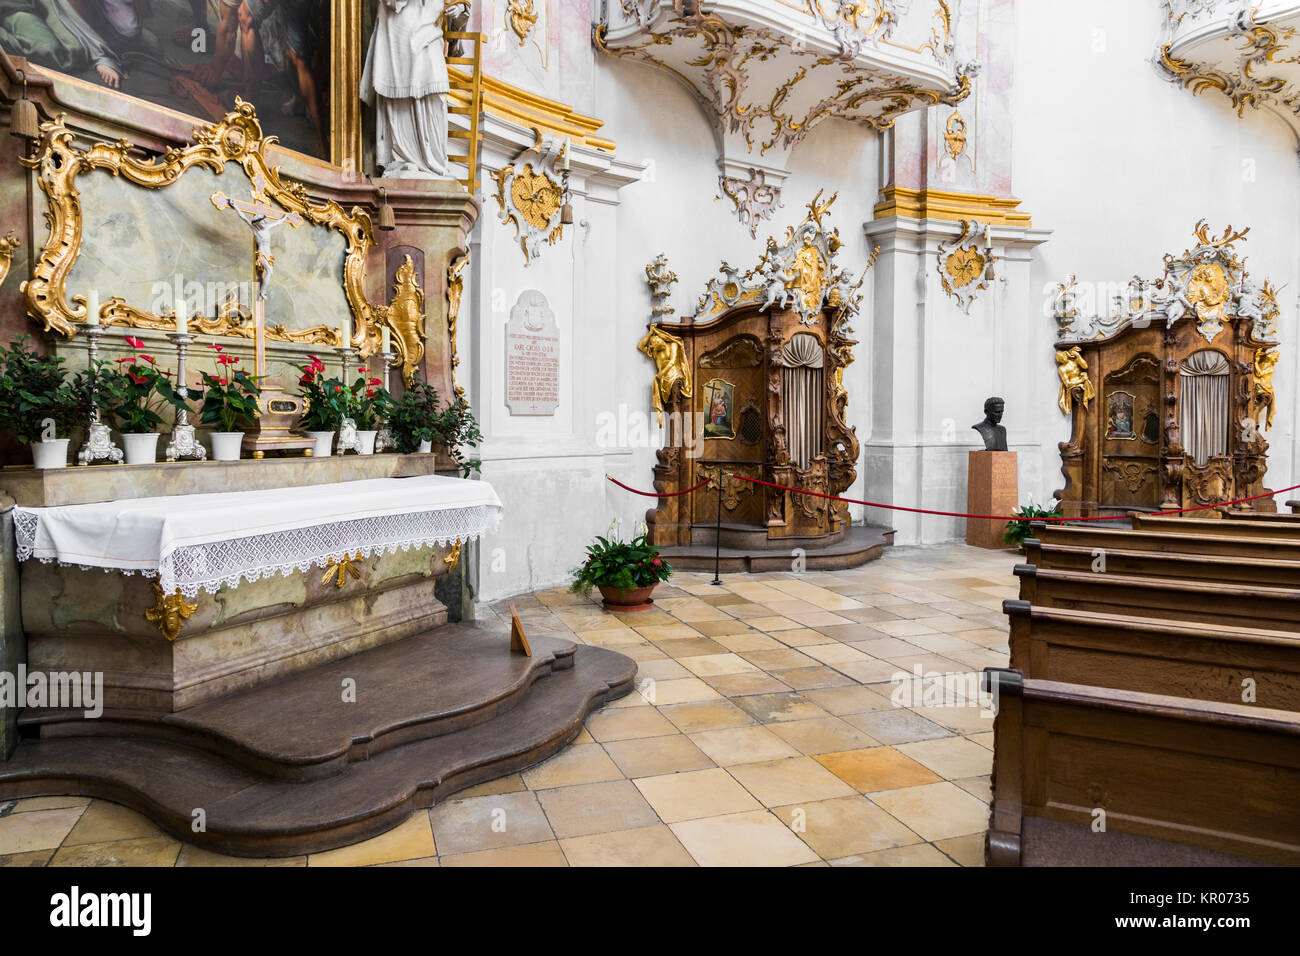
405,80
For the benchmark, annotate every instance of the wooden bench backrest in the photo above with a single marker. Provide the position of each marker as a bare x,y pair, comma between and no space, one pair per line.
1218,776
1227,664
1270,608
1214,526
1159,563
1285,548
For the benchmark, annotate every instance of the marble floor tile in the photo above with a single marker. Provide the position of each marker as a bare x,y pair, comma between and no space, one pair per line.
950,757
645,846
845,826
737,745
651,756
822,735
791,780
697,793
488,823
756,838
37,829
578,763
706,715
596,808
149,851
103,822
768,708
548,853
876,768
936,811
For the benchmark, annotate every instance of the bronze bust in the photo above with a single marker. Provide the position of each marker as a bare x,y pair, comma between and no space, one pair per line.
993,433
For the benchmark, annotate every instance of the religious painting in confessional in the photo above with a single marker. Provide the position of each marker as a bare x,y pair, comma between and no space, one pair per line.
719,404
1119,416
197,56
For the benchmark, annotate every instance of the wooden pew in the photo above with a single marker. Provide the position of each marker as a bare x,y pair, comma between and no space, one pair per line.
1083,536
1159,563
1213,526
1178,659
1268,608
1279,517
1176,781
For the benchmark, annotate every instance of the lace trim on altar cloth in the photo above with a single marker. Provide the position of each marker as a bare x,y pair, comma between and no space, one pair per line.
218,564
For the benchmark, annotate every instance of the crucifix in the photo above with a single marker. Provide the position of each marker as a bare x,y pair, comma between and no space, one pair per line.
261,218
277,411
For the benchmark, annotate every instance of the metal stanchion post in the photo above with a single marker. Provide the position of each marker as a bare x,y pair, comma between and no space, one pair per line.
717,534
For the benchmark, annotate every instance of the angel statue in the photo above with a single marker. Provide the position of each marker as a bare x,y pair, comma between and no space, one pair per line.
1073,370
1265,364
668,352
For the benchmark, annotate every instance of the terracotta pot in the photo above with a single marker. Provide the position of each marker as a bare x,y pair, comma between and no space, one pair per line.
637,599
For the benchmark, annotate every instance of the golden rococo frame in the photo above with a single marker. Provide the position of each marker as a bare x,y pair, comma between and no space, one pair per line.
236,139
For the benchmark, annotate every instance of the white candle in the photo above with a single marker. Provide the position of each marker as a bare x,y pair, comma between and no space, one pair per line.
182,322
384,339
345,330
92,307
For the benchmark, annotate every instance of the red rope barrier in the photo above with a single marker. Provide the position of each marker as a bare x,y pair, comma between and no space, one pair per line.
655,494
960,514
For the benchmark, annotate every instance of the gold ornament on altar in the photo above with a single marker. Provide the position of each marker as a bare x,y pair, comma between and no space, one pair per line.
1073,371
807,275
236,139
170,612
405,316
965,264
338,570
453,556
531,202
673,372
1265,365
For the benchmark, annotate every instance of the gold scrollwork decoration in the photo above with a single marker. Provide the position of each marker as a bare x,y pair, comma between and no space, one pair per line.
8,246
455,289
235,139
170,612
523,17
405,316
453,556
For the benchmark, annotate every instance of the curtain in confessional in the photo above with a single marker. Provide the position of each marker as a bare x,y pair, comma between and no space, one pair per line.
1204,405
802,397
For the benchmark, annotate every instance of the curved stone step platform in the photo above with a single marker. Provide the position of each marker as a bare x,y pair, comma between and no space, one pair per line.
408,690
861,544
249,813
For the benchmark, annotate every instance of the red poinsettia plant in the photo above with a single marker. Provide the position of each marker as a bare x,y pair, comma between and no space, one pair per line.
135,390
229,395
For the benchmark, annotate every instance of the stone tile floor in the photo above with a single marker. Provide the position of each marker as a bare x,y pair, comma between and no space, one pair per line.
763,732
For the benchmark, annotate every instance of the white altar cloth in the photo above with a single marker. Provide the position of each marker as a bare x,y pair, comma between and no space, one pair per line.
194,542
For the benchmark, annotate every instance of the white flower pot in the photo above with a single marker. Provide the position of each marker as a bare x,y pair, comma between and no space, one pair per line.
141,447
426,447
367,439
50,454
324,444
226,445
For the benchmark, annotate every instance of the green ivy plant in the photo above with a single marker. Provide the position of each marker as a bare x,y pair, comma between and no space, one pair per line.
417,417
621,565
1017,531
35,387
456,429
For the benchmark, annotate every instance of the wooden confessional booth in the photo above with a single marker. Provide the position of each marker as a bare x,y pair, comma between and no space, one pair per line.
1170,397
755,377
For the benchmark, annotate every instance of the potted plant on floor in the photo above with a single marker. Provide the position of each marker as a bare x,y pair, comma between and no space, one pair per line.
625,572
38,403
228,398
135,390
324,405
1018,530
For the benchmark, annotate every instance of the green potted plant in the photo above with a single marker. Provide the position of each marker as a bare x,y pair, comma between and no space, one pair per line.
625,572
412,418
135,390
227,398
38,402
1018,530
324,405
456,429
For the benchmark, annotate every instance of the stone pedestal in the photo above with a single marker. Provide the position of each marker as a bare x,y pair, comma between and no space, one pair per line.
992,488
